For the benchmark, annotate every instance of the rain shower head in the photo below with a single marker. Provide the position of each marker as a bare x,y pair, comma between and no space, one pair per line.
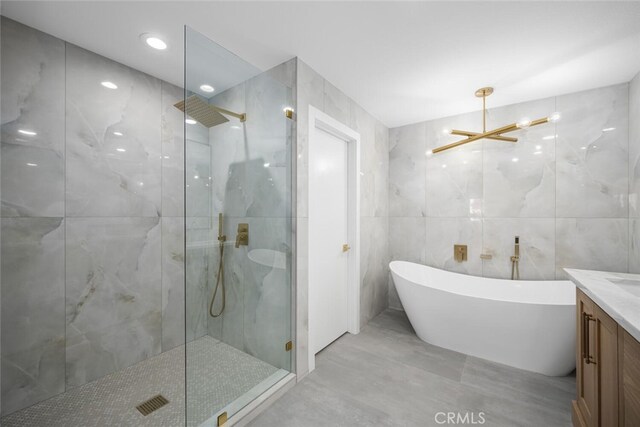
205,114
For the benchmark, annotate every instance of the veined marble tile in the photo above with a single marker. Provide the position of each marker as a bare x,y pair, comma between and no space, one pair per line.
537,247
32,311
634,147
519,178
310,92
228,147
443,233
407,170
172,152
198,184
302,298
102,179
336,103
370,163
229,327
453,177
173,282
381,176
374,267
591,148
634,245
32,101
201,242
407,239
113,295
592,244
374,162
267,290
267,133
284,73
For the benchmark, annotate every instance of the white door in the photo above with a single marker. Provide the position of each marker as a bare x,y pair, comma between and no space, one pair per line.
328,232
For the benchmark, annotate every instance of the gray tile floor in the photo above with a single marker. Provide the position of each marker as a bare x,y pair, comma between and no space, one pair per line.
387,376
218,375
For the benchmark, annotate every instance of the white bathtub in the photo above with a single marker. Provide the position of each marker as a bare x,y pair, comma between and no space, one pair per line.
526,324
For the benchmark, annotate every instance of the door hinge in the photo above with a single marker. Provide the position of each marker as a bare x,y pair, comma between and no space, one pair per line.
222,419
288,346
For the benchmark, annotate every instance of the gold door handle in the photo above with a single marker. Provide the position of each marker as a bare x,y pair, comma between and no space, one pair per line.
345,247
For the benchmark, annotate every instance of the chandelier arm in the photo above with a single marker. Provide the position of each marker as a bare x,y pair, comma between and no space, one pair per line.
496,138
504,129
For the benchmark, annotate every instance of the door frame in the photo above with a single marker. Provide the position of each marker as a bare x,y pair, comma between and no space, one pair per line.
319,121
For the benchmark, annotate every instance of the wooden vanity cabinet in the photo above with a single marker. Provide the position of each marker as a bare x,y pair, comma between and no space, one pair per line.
607,370
629,379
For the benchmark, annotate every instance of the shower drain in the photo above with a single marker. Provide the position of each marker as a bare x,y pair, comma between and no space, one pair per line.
153,404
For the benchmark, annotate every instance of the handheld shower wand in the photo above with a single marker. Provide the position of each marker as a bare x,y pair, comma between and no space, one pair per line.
220,277
515,259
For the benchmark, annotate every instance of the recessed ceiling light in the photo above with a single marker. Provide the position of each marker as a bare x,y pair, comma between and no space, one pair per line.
537,152
32,164
538,147
583,148
153,41
514,160
608,129
27,132
207,88
118,133
266,165
122,150
190,122
109,85
549,137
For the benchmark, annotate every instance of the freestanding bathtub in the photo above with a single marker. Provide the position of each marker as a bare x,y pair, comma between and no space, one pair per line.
526,324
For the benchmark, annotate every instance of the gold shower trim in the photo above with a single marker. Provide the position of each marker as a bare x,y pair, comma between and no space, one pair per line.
495,134
205,113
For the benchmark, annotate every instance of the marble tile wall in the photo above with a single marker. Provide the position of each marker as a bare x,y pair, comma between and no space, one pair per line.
251,178
92,218
569,190
375,200
634,175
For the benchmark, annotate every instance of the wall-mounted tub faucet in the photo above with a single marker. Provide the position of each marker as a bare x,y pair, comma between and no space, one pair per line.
515,259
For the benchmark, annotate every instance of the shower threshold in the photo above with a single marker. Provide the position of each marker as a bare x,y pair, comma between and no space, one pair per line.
219,378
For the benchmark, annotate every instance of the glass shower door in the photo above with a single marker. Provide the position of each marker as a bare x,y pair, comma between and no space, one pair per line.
238,229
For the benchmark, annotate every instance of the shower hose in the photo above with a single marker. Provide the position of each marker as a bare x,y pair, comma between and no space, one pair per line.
219,281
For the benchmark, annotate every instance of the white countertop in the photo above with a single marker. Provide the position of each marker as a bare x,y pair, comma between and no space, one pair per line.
618,294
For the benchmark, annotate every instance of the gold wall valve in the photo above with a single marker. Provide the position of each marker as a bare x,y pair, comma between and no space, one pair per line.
345,247
242,238
460,252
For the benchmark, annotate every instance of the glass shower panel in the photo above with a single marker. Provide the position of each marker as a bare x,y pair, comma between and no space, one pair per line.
238,229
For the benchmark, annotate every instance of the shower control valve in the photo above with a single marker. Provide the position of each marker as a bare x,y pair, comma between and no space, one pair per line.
242,238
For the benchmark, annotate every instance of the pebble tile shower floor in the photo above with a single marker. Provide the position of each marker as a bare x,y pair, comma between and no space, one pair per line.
217,375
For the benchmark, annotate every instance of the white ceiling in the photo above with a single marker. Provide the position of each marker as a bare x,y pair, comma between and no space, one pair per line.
402,61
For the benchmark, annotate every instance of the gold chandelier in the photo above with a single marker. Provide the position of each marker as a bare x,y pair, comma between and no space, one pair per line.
496,134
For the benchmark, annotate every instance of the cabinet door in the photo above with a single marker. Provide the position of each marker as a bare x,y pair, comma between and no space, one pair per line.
586,370
606,362
629,357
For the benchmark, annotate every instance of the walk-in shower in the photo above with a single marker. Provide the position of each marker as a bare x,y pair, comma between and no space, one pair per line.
123,301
